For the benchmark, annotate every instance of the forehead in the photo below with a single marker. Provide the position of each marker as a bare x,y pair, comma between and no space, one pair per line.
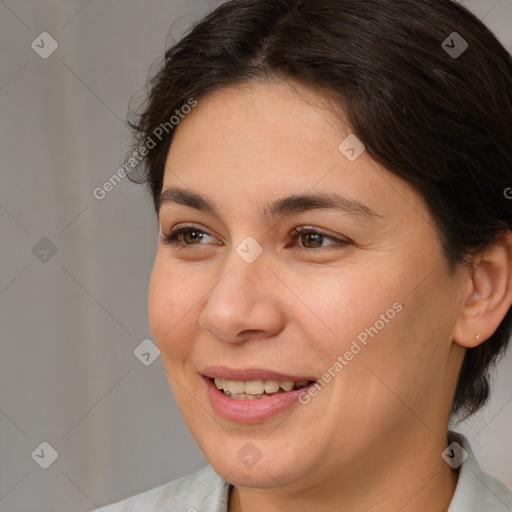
266,140
278,115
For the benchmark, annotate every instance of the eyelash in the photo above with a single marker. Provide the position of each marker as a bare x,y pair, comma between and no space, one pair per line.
172,237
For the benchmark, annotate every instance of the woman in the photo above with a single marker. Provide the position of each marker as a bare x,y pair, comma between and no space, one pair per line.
333,278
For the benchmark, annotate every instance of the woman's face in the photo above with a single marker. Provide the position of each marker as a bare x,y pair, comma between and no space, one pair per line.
361,301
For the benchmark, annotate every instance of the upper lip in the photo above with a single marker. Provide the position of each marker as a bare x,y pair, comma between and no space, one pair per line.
223,372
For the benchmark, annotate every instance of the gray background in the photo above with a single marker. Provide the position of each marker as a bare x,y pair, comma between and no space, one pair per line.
70,321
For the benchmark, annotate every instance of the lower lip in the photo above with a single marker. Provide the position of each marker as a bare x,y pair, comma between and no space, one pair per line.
250,411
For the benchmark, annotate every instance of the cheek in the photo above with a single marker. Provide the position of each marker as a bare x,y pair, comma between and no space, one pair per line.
408,358
171,300
160,303
373,319
347,302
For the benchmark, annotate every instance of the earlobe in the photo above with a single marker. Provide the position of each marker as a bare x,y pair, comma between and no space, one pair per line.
489,294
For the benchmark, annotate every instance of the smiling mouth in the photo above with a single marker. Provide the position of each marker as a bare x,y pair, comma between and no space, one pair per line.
256,389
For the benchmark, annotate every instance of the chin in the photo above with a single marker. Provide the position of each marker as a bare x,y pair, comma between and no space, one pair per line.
263,475
247,467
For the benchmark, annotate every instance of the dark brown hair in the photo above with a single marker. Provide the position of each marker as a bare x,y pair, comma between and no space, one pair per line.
438,120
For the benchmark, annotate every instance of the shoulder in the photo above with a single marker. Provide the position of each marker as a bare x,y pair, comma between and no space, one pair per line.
476,490
202,490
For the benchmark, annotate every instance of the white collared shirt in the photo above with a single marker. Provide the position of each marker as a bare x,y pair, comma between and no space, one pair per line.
205,491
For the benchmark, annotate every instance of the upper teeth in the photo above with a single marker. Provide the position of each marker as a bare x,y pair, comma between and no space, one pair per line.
256,387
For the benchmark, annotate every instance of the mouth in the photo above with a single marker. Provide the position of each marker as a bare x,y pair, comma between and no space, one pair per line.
256,389
252,395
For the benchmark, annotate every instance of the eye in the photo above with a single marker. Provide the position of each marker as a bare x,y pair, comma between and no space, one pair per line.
312,238
185,235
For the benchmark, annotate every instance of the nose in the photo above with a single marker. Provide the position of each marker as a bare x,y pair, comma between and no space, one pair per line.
242,305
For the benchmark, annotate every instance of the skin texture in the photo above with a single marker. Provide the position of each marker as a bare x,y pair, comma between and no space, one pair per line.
372,438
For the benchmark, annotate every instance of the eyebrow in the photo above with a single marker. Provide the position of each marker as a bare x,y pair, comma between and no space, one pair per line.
293,204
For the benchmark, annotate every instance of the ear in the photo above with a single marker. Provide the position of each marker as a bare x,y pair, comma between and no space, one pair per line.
488,296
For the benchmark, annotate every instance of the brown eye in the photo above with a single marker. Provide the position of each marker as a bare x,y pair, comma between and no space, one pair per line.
191,236
186,235
311,238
